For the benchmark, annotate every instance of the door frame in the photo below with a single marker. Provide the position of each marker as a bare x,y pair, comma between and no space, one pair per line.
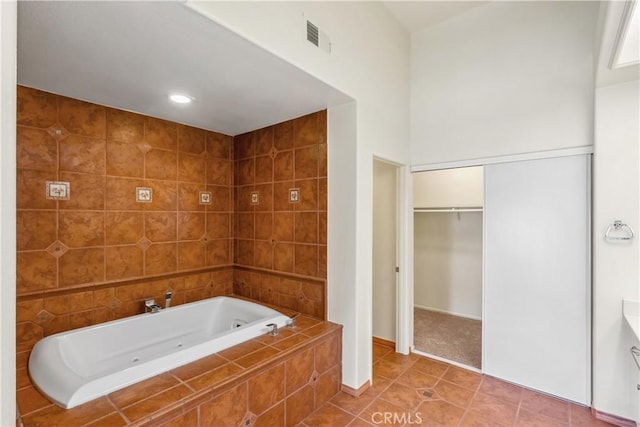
404,255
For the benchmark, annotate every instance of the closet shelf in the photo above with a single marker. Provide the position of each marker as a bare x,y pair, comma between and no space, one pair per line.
466,209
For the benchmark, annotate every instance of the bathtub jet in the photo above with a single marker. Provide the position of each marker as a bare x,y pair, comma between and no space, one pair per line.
76,366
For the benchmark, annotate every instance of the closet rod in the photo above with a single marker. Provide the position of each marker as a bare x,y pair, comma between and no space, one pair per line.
469,209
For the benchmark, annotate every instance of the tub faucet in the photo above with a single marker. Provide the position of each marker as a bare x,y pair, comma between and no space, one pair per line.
291,322
150,306
273,329
167,299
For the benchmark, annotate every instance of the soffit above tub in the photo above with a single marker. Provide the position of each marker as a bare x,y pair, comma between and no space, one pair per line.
417,15
131,55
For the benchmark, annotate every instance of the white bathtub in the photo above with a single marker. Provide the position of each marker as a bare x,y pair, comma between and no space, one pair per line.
76,366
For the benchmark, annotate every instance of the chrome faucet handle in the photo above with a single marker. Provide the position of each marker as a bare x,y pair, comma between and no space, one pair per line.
291,322
273,331
150,306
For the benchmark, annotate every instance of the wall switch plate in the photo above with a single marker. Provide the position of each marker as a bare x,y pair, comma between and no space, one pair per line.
144,194
58,190
294,195
205,198
255,198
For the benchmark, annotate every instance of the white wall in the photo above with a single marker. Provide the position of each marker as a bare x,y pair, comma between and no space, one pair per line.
504,78
448,262
380,89
8,27
448,246
460,187
342,131
615,266
384,250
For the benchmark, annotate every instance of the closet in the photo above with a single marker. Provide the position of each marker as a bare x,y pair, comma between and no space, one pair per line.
448,264
529,278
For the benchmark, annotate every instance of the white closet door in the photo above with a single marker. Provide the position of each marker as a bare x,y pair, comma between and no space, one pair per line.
537,275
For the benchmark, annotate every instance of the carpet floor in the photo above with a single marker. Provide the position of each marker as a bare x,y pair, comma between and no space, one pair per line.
452,337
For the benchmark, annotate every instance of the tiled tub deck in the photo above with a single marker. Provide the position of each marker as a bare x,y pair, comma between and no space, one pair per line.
266,381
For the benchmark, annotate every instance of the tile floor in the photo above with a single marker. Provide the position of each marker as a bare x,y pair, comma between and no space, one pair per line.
414,390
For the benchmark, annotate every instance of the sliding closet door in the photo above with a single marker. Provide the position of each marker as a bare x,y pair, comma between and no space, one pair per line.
536,277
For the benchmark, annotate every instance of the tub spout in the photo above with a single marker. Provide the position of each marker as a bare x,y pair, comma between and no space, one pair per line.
292,321
150,306
273,329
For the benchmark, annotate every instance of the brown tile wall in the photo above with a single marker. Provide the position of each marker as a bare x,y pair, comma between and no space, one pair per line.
97,256
275,235
101,233
304,295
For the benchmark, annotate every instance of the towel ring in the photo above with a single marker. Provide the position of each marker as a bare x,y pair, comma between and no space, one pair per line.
617,226
635,353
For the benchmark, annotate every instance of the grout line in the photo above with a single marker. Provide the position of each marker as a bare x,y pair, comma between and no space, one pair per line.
57,202
104,206
144,217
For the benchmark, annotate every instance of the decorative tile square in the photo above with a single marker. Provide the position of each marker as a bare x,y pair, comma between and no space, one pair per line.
57,249
143,243
294,195
144,194
58,190
205,198
249,419
57,131
44,316
114,303
255,198
313,380
144,147
273,152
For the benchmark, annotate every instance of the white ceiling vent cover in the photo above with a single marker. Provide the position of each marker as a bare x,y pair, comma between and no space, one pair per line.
317,37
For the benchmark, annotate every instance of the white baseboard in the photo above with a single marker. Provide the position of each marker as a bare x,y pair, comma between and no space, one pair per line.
466,316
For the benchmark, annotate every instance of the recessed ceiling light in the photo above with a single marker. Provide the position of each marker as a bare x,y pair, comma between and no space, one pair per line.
180,99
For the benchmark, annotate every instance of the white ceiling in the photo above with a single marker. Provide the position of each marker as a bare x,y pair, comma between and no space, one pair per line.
130,55
417,15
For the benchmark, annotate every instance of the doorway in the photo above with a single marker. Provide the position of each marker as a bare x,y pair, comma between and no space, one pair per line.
385,252
448,249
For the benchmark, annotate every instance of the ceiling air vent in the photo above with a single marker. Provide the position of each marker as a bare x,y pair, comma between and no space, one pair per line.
317,37
312,33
